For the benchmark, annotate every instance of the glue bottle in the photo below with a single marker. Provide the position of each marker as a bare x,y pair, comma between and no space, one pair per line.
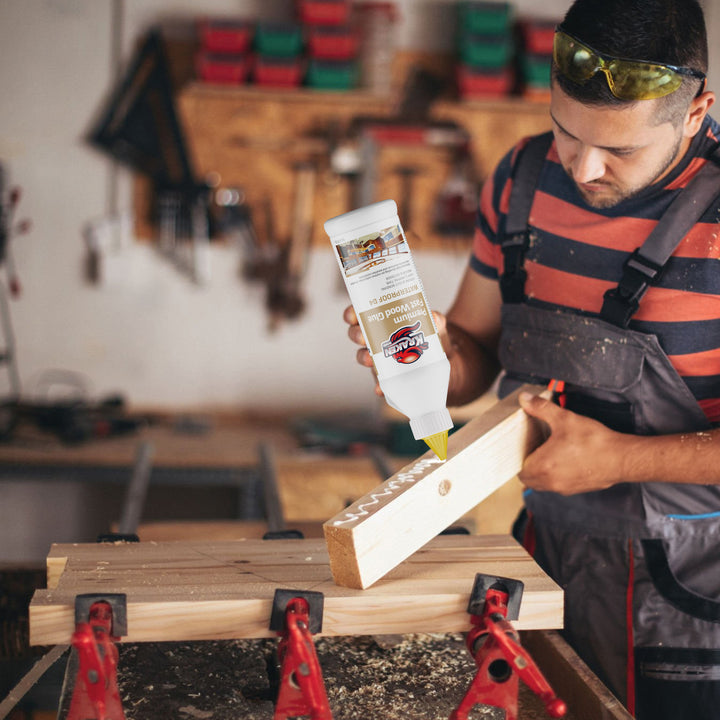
399,330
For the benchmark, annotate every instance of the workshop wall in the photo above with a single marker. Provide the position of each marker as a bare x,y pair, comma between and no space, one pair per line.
146,330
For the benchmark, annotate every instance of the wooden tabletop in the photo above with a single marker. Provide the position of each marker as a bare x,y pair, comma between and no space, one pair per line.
224,590
206,441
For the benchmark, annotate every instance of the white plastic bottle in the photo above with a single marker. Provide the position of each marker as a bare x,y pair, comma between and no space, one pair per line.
386,292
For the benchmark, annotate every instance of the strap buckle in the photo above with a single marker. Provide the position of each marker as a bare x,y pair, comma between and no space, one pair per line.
622,302
512,281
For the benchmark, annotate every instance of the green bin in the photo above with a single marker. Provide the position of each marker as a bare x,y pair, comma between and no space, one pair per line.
486,51
278,40
485,17
327,75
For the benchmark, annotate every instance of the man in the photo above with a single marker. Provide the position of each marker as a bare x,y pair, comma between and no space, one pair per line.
623,501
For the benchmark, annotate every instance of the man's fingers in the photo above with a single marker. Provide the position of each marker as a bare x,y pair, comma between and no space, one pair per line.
539,407
349,315
355,334
364,357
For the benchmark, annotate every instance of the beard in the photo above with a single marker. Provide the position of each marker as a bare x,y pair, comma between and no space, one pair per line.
610,194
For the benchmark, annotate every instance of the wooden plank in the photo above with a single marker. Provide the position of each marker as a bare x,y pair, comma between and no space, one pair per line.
223,590
384,527
573,681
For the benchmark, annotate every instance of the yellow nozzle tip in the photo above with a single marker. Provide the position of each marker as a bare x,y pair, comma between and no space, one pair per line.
438,443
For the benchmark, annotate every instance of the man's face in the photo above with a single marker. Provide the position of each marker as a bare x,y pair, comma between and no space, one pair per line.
613,153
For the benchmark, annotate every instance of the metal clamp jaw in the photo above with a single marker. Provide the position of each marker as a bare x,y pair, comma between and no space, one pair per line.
500,658
100,620
295,616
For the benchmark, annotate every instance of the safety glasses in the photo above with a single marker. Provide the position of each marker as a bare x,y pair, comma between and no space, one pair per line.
628,79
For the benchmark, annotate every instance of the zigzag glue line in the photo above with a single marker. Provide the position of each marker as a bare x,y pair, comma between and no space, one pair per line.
403,478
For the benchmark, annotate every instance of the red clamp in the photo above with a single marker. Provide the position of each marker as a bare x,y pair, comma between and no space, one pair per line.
99,623
501,660
296,615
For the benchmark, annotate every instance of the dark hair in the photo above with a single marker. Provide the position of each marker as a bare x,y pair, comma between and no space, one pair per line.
662,31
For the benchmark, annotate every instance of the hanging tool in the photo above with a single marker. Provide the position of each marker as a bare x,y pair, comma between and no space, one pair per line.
406,173
501,660
284,296
8,229
140,127
9,201
99,621
456,202
296,616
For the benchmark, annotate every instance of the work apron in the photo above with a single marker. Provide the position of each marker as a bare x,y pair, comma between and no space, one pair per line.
639,563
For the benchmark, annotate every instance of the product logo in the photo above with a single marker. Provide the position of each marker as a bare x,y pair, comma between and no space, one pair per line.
406,345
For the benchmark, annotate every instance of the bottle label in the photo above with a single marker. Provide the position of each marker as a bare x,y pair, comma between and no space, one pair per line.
387,295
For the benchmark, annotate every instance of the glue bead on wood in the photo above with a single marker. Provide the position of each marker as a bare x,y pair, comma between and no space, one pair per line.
399,330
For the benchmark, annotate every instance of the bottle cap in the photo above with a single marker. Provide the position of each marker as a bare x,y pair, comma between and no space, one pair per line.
433,423
355,220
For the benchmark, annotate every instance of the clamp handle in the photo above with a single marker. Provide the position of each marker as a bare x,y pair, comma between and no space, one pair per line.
302,690
500,658
96,694
520,661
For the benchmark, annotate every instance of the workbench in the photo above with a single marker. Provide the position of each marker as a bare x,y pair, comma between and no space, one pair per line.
184,598
202,471
418,676
205,483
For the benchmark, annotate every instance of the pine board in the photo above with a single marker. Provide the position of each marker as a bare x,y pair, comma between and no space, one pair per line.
378,531
183,591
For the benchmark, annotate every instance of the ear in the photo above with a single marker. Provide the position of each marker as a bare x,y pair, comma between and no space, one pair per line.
696,113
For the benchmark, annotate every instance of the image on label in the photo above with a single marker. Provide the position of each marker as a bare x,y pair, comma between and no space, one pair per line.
364,253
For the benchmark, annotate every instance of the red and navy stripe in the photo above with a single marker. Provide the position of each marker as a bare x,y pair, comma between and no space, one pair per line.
577,252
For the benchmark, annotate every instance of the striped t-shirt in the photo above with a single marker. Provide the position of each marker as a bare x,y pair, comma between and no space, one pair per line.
576,253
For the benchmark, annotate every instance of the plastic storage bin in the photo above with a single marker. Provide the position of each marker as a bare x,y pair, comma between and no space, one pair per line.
278,40
332,75
324,12
485,17
223,69
225,36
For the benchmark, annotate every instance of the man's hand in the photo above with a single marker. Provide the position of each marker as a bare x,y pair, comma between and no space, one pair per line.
363,356
580,454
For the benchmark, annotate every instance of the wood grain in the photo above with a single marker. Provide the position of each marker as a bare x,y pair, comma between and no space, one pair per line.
223,590
384,527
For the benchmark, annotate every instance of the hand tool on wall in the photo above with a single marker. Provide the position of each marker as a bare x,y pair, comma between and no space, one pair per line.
9,201
456,201
139,127
284,295
9,228
499,656
406,173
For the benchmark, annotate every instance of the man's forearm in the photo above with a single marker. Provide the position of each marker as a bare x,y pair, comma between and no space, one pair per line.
686,458
582,455
473,367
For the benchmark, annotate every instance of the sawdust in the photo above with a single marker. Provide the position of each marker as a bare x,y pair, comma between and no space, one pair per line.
423,677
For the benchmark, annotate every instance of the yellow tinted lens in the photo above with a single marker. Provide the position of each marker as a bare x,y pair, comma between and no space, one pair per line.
642,81
573,59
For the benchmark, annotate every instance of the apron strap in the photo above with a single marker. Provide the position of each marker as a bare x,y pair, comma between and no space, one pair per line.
515,240
645,265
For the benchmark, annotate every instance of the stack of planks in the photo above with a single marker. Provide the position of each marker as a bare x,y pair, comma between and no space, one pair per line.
224,590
